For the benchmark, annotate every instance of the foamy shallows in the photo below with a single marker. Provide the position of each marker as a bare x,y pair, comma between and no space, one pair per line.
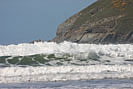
49,61
64,73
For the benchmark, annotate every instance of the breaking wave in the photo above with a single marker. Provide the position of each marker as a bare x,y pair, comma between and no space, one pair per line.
63,73
66,53
50,61
118,50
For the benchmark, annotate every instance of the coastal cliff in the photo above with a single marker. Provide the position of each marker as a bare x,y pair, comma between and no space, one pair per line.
105,21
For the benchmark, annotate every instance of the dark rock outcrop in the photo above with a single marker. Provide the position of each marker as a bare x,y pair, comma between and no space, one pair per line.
35,41
99,23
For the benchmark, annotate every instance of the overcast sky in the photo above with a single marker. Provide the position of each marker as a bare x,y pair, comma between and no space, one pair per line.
27,20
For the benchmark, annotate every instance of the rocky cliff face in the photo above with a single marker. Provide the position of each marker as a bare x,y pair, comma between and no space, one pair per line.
99,23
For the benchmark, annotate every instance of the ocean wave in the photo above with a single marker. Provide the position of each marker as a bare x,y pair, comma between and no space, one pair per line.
113,50
51,61
64,73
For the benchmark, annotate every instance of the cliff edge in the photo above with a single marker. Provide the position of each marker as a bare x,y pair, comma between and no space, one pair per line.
105,21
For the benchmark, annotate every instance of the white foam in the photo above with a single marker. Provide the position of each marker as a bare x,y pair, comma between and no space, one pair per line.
119,50
32,74
45,73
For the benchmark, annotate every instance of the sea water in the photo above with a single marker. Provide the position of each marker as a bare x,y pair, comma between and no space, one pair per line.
81,84
66,66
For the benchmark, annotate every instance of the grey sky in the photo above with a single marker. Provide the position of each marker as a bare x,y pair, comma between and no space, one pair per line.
27,20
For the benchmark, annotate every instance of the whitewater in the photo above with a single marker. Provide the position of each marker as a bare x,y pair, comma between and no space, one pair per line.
99,61
117,50
65,73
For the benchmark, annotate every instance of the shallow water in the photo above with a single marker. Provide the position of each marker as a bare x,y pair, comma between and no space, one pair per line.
89,84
